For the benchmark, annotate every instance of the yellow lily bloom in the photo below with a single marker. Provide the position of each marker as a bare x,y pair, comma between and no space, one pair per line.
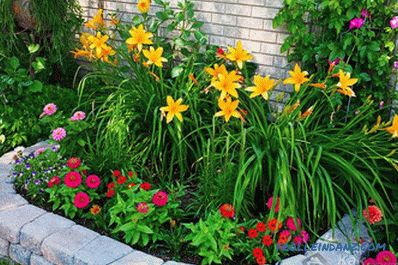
97,21
143,6
345,84
83,53
393,129
173,108
297,78
84,40
155,56
227,84
216,71
139,37
98,43
106,52
228,109
262,86
238,55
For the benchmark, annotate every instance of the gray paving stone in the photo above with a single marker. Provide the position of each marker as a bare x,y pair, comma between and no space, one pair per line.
138,258
20,254
6,187
33,234
106,251
60,248
295,260
39,260
11,201
12,221
4,245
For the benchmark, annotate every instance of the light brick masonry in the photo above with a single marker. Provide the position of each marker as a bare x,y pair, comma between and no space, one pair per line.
226,22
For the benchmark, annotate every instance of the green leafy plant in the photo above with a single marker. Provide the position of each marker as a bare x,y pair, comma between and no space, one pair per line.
322,31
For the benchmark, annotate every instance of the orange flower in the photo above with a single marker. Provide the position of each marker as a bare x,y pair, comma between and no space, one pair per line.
97,21
95,210
373,214
319,85
193,79
307,113
393,129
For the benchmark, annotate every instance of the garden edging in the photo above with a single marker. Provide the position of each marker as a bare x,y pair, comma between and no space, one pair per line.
31,235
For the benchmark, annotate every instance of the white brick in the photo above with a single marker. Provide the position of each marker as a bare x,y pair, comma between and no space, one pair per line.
243,10
269,48
263,59
264,12
253,2
221,41
260,35
223,19
250,22
210,6
236,32
213,29
251,46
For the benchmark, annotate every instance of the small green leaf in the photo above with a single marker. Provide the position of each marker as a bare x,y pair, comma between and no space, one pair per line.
32,48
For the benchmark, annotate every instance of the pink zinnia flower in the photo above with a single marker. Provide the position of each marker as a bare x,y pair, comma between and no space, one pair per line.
142,207
93,181
53,181
298,240
160,198
73,162
270,203
386,257
356,23
81,200
373,214
305,236
49,109
59,134
73,179
370,261
394,22
365,13
78,116
396,64
291,223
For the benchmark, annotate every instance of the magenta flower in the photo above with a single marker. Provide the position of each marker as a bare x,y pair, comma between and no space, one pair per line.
357,23
386,257
334,62
365,13
78,116
396,64
59,134
305,236
394,22
49,109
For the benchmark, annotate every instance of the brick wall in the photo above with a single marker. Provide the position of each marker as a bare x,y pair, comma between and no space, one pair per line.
226,21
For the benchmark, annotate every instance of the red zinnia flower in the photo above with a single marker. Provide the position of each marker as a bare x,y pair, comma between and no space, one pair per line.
258,252
274,225
121,180
111,185
284,237
93,181
386,257
142,207
160,198
227,210
261,260
131,174
110,193
116,173
81,200
73,179
145,186
252,233
53,181
242,229
373,214
267,240
73,162
261,227
298,240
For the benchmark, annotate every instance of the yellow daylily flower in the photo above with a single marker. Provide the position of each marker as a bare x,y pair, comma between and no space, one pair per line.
297,78
227,84
106,52
173,108
139,37
143,6
83,53
345,84
98,43
228,109
238,55
393,129
84,40
155,56
319,85
262,86
97,21
216,71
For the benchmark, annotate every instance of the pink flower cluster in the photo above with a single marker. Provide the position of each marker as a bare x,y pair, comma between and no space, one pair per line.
394,22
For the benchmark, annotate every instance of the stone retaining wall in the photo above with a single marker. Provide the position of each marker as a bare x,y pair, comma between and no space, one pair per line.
31,235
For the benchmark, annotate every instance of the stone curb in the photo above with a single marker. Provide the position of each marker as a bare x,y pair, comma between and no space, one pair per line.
31,236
